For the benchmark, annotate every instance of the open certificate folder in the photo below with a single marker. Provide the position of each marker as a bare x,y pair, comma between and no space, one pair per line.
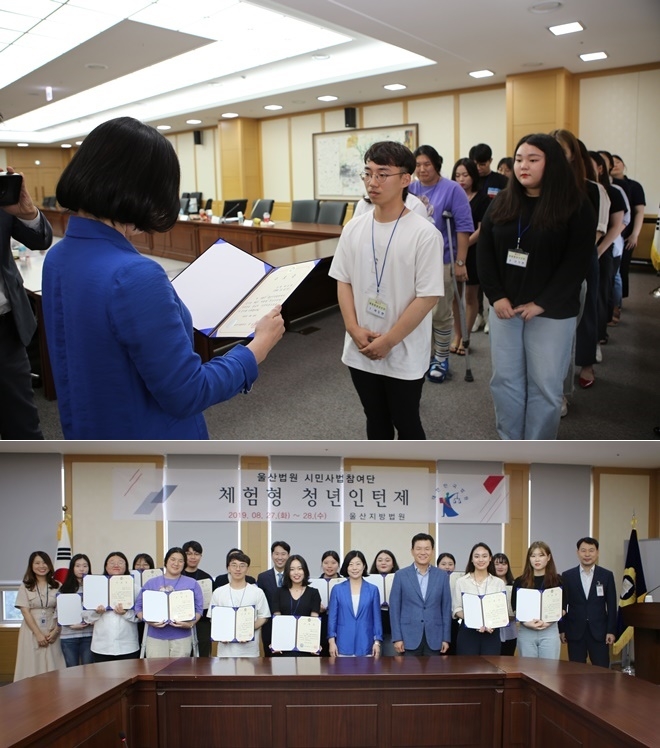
384,584
140,577
324,586
164,607
296,634
108,591
228,291
488,610
232,624
69,609
537,605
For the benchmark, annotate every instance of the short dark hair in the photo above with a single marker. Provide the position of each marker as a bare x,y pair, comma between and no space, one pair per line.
480,153
469,568
286,579
194,545
391,153
395,565
446,554
116,553
422,536
146,557
601,176
125,172
471,169
232,552
282,544
239,556
506,161
347,560
588,541
433,156
173,550
502,558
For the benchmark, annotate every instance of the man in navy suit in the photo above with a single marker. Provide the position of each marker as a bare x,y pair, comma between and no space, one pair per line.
420,603
269,581
19,418
589,626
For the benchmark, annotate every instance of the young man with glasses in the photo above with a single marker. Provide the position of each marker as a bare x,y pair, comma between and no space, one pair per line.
388,267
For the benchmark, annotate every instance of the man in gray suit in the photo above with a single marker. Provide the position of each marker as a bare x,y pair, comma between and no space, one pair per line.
19,418
420,603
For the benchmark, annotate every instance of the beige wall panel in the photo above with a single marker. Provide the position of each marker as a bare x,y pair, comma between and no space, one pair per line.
3,157
370,538
276,159
334,120
620,494
646,158
302,154
435,117
534,100
381,115
95,531
185,150
482,117
205,161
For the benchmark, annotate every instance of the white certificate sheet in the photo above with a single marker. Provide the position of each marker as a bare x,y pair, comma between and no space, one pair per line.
534,605
283,638
384,584
324,586
231,625
121,591
95,591
148,574
69,609
308,634
486,610
182,606
154,606
207,591
245,623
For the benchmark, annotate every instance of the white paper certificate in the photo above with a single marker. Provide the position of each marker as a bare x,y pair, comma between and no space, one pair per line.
207,591
231,625
283,638
487,610
121,591
182,605
534,605
154,606
95,591
69,609
308,635
245,623
384,584
324,586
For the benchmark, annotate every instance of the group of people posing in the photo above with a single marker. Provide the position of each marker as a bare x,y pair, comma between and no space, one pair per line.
418,610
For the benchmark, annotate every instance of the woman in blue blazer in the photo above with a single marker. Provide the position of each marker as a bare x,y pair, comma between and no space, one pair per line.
354,623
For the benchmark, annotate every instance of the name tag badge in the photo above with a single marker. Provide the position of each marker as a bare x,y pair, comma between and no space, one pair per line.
517,258
377,307
492,191
600,592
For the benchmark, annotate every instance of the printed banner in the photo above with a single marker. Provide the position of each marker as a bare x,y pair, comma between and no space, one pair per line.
304,495
472,499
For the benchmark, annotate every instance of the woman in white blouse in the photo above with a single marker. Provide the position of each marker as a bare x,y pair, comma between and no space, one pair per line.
480,579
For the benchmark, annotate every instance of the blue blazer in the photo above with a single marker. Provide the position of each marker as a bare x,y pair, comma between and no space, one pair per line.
411,616
599,613
354,635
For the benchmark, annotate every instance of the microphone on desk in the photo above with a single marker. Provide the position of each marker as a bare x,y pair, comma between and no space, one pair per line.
230,211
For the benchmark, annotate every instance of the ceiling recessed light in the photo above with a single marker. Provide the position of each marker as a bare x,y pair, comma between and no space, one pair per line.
193,121
37,163
163,127
590,56
66,145
229,115
544,7
78,142
320,58
566,28
482,73
272,107
395,87
327,98
22,145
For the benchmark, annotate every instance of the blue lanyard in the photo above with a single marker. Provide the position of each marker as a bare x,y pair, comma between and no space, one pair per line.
387,249
520,233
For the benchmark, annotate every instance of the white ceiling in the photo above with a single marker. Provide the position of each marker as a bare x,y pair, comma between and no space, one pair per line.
456,37
643,454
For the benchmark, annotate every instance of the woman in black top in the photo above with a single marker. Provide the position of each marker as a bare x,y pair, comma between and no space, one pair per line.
295,597
533,252
385,563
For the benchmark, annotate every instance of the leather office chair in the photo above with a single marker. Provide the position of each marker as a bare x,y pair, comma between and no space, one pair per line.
185,194
332,212
304,211
183,210
262,206
209,204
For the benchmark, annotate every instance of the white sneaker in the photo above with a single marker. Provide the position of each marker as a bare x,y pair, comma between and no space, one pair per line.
478,322
564,407
486,328
599,354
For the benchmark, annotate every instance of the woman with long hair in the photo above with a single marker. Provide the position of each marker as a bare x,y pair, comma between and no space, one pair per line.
76,639
354,624
538,638
38,647
330,567
533,252
295,597
479,579
385,563
508,634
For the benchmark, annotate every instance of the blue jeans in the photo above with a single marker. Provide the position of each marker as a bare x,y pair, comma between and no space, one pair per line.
530,361
543,644
77,651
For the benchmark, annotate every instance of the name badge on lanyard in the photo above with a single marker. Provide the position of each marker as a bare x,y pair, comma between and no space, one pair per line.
517,257
377,307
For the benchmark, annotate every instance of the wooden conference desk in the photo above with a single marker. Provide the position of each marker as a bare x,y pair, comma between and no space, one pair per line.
188,239
407,702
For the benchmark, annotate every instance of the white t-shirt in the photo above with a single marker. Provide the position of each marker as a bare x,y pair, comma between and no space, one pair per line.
230,598
411,268
413,203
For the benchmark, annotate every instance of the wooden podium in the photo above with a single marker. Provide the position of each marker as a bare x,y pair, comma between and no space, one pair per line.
645,617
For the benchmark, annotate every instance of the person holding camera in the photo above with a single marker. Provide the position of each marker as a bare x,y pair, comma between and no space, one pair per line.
21,220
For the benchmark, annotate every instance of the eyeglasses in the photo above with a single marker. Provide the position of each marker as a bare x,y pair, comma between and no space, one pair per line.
380,177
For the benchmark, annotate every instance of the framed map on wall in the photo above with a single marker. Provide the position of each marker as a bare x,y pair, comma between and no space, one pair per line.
339,158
